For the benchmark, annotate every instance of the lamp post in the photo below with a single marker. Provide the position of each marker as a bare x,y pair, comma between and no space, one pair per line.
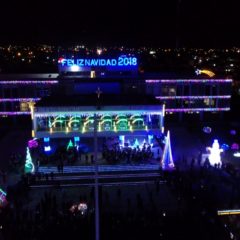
97,235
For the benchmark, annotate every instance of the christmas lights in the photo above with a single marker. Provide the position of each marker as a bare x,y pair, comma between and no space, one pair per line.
197,109
19,99
189,81
27,82
14,113
193,97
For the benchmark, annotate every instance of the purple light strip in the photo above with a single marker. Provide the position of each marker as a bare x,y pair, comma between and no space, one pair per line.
193,97
197,109
189,81
26,82
14,113
19,99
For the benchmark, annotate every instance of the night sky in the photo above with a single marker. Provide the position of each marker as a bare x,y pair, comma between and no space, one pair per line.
205,23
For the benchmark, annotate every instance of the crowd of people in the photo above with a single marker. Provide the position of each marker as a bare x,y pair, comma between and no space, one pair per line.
119,154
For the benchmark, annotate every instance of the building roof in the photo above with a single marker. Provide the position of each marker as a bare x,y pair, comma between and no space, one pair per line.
93,100
29,76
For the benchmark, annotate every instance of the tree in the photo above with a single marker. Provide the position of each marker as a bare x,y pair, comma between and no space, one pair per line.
167,159
29,166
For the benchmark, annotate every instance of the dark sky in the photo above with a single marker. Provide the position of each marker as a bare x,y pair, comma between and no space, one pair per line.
205,23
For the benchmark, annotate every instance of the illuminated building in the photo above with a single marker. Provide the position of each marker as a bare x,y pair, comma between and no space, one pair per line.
115,75
60,118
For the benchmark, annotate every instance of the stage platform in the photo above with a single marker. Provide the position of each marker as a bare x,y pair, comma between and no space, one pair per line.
101,168
108,175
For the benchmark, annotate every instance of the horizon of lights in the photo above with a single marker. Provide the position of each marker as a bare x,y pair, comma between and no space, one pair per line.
192,97
19,99
188,80
197,109
26,82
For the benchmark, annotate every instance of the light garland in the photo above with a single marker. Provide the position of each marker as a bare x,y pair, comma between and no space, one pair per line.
91,113
193,97
27,82
189,81
14,113
19,99
197,109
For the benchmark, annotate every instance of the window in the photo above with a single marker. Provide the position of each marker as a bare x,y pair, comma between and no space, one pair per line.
186,91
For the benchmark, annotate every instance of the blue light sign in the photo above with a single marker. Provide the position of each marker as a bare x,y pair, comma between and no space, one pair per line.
121,61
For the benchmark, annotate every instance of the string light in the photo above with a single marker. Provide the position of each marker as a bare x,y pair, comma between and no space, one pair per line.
192,97
19,99
27,82
197,109
14,113
189,81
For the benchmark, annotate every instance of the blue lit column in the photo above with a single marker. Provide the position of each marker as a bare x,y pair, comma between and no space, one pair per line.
76,141
150,139
122,140
97,237
47,147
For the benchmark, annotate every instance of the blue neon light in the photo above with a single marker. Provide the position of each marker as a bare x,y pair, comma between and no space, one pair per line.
121,61
76,139
46,139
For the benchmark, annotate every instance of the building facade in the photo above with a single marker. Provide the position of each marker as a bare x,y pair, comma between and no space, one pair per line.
114,76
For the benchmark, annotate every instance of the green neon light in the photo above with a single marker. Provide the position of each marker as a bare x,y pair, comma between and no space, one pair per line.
135,115
89,117
90,120
56,121
70,144
73,121
104,116
122,126
121,120
137,119
121,115
106,120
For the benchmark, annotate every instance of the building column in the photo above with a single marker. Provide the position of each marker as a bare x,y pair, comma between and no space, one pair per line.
97,232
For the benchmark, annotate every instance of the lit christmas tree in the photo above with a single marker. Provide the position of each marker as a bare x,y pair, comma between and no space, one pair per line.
29,166
70,144
167,159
